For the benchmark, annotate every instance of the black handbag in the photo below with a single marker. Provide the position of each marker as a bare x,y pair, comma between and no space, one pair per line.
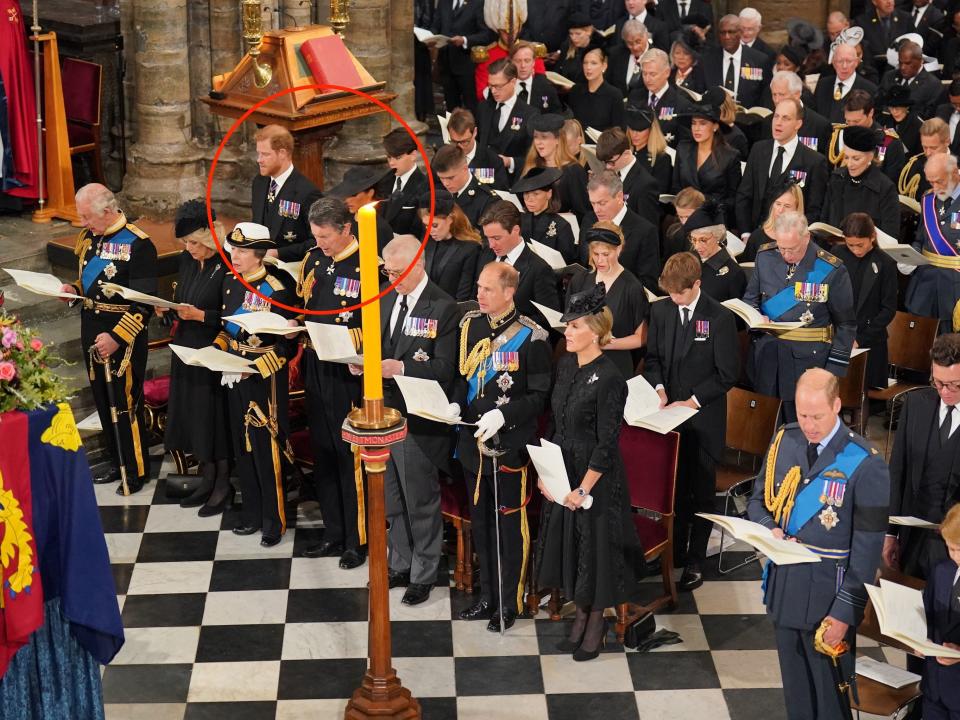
639,630
180,486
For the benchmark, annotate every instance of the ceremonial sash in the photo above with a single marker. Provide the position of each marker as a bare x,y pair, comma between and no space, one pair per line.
808,501
97,264
486,367
232,327
938,242
786,299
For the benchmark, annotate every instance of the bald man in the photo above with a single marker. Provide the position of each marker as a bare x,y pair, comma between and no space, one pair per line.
925,89
825,487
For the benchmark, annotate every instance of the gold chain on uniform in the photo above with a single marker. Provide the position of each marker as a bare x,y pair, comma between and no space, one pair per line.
780,502
481,351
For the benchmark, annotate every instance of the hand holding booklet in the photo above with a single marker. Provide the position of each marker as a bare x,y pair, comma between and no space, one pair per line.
780,552
900,614
547,458
264,322
332,343
643,408
110,289
213,359
552,316
754,318
425,398
910,521
40,283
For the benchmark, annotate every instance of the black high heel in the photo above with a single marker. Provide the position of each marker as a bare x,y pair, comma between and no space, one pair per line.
581,655
204,490
569,644
209,510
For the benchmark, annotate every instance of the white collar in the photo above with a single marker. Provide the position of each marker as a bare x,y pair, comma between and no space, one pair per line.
413,297
789,147
822,445
626,168
848,83
660,93
692,306
641,17
511,257
618,218
473,153
462,190
736,56
405,177
508,105
282,177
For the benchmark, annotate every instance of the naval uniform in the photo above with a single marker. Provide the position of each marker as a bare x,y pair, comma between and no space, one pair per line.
504,364
474,199
816,291
839,511
126,256
332,283
934,289
257,404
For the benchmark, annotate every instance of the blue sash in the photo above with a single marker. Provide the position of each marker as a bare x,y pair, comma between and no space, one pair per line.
786,299
512,345
232,327
931,224
97,264
808,503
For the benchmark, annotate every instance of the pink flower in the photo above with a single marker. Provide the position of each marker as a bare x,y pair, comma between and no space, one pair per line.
36,345
8,371
9,338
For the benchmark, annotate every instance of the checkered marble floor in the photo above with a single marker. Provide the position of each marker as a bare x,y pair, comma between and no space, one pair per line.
219,627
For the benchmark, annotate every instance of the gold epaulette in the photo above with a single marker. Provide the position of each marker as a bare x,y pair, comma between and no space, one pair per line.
538,332
469,315
905,184
137,231
274,282
481,53
772,245
832,259
83,242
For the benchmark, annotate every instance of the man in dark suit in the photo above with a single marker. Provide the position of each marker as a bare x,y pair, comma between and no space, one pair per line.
483,162
832,89
692,361
282,195
772,162
641,247
471,196
500,225
928,23
547,21
462,21
640,190
419,331
738,69
660,95
949,112
751,22
404,186
673,13
533,88
816,129
636,10
925,90
623,60
941,693
502,118
882,24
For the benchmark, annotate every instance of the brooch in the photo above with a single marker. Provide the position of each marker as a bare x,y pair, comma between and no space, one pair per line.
829,518
807,317
421,356
592,379
503,400
290,236
505,381
110,270
723,271
331,269
346,315
552,229
254,341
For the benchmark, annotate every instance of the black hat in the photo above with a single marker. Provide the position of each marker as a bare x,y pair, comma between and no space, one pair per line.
537,178
804,35
897,96
707,215
357,179
600,234
689,41
777,189
443,203
588,302
191,216
794,54
638,118
251,236
579,20
551,122
704,110
860,138
698,19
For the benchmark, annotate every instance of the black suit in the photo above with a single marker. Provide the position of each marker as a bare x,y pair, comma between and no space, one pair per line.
814,133
702,360
754,194
668,12
542,94
760,46
452,265
286,216
670,104
547,21
929,28
823,95
537,282
659,34
641,247
490,166
400,209
925,90
876,39
457,69
516,136
474,200
617,63
748,89
641,193
945,112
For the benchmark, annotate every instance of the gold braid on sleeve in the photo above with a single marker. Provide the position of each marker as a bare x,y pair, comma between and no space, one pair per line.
473,362
780,502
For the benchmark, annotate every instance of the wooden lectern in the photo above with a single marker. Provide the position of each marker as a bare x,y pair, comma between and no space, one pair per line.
312,117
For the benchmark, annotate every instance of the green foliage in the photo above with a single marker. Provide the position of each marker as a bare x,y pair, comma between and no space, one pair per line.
27,380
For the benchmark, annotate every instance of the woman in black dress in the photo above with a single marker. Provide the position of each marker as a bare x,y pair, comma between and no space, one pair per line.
595,102
649,144
787,198
580,37
196,412
590,552
450,256
548,150
873,275
541,221
721,277
626,299
685,58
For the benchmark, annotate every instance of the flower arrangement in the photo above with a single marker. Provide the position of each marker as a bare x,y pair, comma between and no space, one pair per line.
27,382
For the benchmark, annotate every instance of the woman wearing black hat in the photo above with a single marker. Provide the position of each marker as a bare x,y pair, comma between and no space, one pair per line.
648,143
581,36
707,162
720,276
541,221
626,299
591,553
196,412
685,58
549,151
358,188
450,257
593,101
900,116
861,186
790,59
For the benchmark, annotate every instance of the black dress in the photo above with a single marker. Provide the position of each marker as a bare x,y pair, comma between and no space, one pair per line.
592,554
757,238
571,190
722,278
452,264
872,192
662,169
600,110
718,178
628,303
551,230
197,410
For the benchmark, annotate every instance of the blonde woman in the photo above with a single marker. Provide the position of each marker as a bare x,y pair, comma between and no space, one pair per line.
648,143
549,151
788,197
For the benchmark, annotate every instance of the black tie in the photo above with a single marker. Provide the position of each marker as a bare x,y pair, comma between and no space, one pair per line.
728,82
955,596
398,186
395,334
686,317
946,425
683,8
812,454
653,101
496,117
523,95
777,170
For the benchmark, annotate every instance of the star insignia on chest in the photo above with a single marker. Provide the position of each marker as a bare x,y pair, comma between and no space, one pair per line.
420,355
346,315
592,379
502,400
290,236
331,269
807,317
110,270
829,518
505,382
254,341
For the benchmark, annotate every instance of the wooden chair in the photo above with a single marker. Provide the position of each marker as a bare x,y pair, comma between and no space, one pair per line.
853,396
455,508
650,461
82,91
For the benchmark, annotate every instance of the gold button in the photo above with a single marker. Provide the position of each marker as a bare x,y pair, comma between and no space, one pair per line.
316,262
342,303
223,307
336,319
84,262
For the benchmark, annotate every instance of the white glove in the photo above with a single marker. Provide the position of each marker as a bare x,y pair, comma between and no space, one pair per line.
489,424
230,379
905,269
453,410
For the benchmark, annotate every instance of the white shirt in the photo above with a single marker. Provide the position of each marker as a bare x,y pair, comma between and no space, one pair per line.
633,66
942,413
626,168
403,179
789,149
412,297
642,17
618,218
511,257
954,119
736,59
462,190
282,177
505,111
919,16
470,155
846,87
660,93
528,83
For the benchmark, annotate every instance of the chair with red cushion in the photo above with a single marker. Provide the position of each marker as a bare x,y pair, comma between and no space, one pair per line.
455,508
82,90
156,396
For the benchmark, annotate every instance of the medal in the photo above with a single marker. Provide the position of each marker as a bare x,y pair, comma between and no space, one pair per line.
421,356
346,287
290,236
552,229
346,315
702,329
502,400
807,317
829,518
791,269
110,270
505,361
723,271
592,379
505,382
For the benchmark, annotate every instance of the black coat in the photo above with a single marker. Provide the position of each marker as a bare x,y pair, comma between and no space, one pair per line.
823,100
466,21
641,193
908,130
641,247
695,81
288,224
875,195
474,200
945,112
661,169
760,46
618,60
925,90
487,161
876,40
542,95
572,67
748,90
537,283
551,230
717,178
659,34
400,209
668,12
571,190
515,138
722,278
672,103
754,196
451,265
547,21
929,28
601,109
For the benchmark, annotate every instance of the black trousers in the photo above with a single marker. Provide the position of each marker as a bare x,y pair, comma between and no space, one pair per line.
260,469
514,535
128,399
809,684
422,81
696,492
331,392
459,87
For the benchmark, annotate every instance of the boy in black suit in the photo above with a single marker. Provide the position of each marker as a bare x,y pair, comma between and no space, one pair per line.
450,165
404,186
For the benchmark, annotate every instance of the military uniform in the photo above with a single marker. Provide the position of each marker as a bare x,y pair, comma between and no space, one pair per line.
816,291
913,183
333,283
934,289
258,403
838,509
474,200
126,256
505,364
891,157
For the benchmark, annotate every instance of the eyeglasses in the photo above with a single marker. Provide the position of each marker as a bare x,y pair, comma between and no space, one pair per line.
939,385
500,86
462,143
391,274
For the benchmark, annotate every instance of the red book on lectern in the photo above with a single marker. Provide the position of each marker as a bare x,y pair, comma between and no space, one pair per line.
330,62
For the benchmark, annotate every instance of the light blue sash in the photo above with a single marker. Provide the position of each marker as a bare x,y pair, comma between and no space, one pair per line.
786,299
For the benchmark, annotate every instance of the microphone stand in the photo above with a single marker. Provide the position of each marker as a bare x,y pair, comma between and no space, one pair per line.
41,195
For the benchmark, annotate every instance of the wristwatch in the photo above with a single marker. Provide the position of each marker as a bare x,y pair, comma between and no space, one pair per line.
581,492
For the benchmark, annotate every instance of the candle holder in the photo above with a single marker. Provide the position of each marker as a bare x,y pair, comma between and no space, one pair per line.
339,16
252,15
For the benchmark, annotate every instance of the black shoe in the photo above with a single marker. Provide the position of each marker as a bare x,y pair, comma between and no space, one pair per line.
416,593
509,617
581,655
133,486
479,611
691,579
270,540
352,559
209,510
568,646
245,530
328,548
398,579
106,475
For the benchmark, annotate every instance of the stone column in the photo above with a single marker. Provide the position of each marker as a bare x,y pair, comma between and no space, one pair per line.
401,63
776,13
297,13
165,166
